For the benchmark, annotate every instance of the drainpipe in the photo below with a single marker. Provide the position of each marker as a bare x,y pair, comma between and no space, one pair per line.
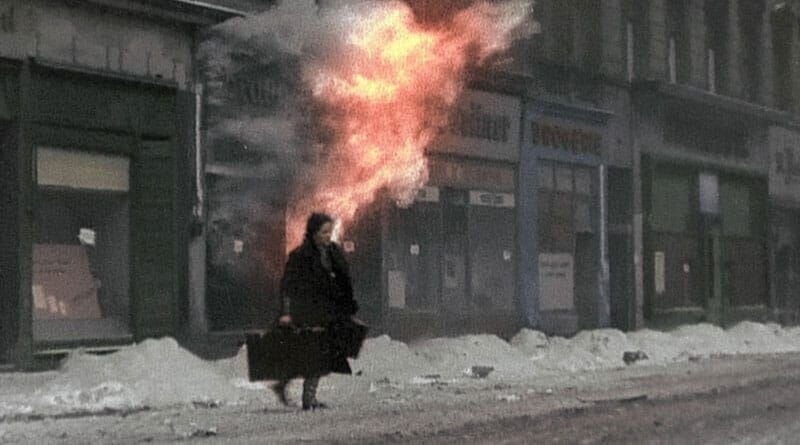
23,350
604,305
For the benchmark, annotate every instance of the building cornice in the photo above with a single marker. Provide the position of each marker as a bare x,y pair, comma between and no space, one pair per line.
691,95
190,12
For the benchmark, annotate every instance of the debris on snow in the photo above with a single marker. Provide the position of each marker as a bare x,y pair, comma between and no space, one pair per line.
509,398
479,372
631,357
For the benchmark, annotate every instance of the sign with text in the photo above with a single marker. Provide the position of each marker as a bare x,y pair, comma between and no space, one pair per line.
568,131
784,170
470,175
63,285
482,125
556,281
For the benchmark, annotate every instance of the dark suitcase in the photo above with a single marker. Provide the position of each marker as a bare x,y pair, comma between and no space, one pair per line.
287,353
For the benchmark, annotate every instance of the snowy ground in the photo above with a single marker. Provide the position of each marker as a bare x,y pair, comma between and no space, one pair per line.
160,375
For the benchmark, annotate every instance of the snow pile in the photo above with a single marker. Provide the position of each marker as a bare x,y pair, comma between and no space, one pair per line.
157,373
457,356
151,373
382,357
588,350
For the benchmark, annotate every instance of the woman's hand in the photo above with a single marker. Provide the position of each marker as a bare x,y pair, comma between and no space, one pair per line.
285,320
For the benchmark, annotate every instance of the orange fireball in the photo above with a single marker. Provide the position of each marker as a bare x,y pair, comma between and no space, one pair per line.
384,94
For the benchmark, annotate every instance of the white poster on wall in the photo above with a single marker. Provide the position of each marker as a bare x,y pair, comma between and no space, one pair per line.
659,265
397,289
556,281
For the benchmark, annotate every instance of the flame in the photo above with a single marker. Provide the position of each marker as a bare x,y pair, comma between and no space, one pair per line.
385,94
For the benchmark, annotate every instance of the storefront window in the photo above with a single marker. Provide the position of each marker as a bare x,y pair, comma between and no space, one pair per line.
491,245
567,254
81,248
413,255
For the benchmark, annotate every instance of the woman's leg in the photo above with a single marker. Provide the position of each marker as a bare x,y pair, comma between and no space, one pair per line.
279,388
310,393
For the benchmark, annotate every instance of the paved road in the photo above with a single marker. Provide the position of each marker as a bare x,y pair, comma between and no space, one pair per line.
722,400
762,412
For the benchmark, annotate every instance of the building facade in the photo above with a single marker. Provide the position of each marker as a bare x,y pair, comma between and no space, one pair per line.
653,182
700,101
97,118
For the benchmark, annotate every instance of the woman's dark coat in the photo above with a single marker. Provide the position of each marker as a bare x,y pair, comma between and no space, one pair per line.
318,297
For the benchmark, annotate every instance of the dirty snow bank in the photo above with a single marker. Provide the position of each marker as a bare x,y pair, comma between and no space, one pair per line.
158,373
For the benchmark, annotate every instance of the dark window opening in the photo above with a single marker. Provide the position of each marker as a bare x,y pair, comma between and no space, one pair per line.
782,30
678,41
636,13
717,24
751,14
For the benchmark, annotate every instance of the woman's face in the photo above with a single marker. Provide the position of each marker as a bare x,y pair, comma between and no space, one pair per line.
323,236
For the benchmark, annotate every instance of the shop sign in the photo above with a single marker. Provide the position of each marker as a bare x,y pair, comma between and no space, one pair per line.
784,178
484,125
489,199
565,137
470,175
556,281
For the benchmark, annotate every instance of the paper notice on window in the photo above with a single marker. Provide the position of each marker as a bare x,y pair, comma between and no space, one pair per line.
397,289
556,281
87,236
63,284
658,272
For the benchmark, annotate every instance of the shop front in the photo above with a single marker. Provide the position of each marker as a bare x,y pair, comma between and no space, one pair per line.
706,211
94,201
449,259
247,158
784,191
561,239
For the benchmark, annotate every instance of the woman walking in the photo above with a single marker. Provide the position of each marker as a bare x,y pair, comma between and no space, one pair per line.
316,294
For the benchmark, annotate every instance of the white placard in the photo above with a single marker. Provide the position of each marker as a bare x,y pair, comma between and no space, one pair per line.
428,194
482,198
87,236
556,281
658,272
397,289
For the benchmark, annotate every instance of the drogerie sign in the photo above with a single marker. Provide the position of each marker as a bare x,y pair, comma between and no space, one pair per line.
572,139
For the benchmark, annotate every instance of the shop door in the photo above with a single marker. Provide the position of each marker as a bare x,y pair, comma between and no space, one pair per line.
454,253
154,277
742,248
676,263
244,253
491,240
413,257
9,252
